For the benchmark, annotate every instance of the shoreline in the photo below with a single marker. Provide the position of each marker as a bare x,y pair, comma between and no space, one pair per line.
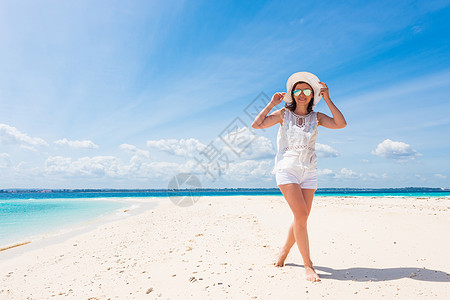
131,207
224,247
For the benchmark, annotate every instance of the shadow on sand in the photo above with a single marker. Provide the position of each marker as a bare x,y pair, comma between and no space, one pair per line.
372,274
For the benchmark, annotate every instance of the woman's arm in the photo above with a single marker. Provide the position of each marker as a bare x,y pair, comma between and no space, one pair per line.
338,120
264,121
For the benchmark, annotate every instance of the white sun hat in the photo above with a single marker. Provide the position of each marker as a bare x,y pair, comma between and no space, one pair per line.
307,77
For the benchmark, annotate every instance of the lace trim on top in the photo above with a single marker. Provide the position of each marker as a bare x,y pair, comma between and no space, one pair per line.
296,147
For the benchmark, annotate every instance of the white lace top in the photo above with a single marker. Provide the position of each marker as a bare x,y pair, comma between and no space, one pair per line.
296,142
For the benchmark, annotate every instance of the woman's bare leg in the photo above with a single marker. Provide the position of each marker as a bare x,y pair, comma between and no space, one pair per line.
284,251
300,208
308,195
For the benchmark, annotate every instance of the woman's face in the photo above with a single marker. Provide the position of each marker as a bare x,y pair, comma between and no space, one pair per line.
302,99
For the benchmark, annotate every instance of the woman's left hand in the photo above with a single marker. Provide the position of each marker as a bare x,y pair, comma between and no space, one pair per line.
324,91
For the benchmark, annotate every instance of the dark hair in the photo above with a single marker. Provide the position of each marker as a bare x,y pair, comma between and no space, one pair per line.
293,105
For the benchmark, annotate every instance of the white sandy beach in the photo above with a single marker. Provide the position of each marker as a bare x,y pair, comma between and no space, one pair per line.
225,247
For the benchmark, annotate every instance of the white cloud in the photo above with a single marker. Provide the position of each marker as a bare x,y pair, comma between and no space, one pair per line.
325,172
395,150
347,173
139,166
440,176
344,173
140,163
249,170
182,147
97,166
128,148
76,144
323,150
135,150
376,176
243,143
10,135
5,160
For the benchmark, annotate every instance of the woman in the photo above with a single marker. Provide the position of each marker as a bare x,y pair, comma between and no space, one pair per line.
296,162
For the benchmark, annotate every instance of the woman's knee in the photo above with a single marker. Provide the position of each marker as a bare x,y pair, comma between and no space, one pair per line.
300,217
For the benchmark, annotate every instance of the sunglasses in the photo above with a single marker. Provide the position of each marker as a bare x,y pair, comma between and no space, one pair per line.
307,92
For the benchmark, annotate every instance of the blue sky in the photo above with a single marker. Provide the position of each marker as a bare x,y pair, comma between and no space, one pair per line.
115,94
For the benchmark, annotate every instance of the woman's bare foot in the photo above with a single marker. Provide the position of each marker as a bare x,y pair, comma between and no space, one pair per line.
281,257
311,274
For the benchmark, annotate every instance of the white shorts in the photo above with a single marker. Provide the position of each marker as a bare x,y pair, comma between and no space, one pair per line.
307,179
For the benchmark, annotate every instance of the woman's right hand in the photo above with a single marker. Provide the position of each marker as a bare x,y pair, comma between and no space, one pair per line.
277,98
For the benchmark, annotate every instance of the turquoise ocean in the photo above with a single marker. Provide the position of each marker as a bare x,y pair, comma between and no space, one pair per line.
29,213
